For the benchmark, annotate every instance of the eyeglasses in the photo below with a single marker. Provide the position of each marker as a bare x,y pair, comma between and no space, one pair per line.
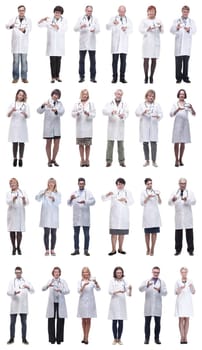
182,183
156,272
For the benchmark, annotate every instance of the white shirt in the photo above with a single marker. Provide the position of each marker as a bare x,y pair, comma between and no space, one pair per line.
119,39
87,39
20,40
19,301
84,123
116,124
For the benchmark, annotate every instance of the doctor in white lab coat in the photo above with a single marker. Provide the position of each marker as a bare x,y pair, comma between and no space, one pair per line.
56,308
18,290
55,49
81,200
16,200
151,28
182,200
120,26
150,199
150,113
88,27
118,288
183,28
121,199
154,289
117,112
20,26
49,220
84,112
53,109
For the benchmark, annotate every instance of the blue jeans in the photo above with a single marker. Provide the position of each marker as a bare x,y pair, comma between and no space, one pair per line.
86,237
20,59
23,318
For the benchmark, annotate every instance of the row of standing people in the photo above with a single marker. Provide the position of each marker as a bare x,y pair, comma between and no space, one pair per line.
88,26
82,199
149,113
153,287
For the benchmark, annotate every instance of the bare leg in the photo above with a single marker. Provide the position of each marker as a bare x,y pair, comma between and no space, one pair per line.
121,239
55,148
176,150
87,329
48,149
147,241
186,327
181,328
87,149
153,240
113,241
182,148
81,151
83,327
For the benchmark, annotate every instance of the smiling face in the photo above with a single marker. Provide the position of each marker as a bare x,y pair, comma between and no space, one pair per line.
57,15
13,184
21,12
84,95
118,95
182,184
182,95
122,11
18,273
149,185
20,96
184,273
89,11
155,272
51,185
120,186
119,274
151,14
86,273
185,13
150,97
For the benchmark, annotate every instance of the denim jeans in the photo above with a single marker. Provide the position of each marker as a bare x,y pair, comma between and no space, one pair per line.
23,318
86,237
20,59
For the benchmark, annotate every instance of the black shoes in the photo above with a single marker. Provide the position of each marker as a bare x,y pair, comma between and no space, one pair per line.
93,80
114,81
11,341
20,163
19,251
54,162
81,80
146,80
15,162
25,341
121,251
86,253
112,253
178,81
151,80
76,252
177,253
14,251
191,253
123,80
157,341
146,341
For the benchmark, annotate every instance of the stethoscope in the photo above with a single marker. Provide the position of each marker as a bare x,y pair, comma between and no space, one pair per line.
20,107
20,23
123,19
184,21
149,106
149,192
18,193
85,19
178,193
55,20
19,280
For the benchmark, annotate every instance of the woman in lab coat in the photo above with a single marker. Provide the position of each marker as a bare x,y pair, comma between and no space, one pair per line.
16,200
18,112
151,29
56,28
150,114
53,109
56,308
181,129
84,112
87,306
117,309
49,220
150,200
184,289
119,214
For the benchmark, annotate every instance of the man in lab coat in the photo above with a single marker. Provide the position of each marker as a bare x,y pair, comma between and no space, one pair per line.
183,28
117,111
154,289
81,200
183,200
88,27
121,27
18,291
21,26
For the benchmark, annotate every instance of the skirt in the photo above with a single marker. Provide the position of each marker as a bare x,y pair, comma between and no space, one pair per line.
152,230
112,231
84,141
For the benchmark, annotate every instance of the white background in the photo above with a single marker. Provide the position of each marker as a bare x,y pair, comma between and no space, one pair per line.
35,173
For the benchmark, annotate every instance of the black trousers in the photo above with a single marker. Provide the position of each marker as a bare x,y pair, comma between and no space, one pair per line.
181,67
23,318
115,59
55,64
47,232
189,239
82,56
157,327
58,334
117,328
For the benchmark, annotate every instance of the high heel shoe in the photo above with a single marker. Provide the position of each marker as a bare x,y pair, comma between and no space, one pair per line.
14,251
19,251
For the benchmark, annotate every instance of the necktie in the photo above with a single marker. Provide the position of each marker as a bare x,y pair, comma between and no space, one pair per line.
181,193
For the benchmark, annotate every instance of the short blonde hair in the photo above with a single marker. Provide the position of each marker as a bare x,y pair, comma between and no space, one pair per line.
13,179
85,91
184,268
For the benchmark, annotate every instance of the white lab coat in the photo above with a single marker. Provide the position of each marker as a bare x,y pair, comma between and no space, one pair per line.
51,125
151,214
16,211
18,123
183,306
55,37
87,306
20,41
49,209
117,307
181,128
81,212
84,123
151,38
119,39
115,130
60,299
19,302
183,210
183,39
153,298
148,128
87,40
119,212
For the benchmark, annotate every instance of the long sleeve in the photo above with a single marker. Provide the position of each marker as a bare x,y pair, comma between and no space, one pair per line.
143,286
163,290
